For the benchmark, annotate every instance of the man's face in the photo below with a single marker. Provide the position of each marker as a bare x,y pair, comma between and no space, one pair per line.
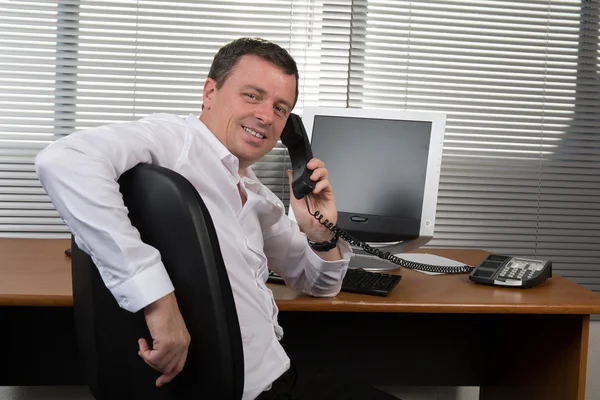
248,113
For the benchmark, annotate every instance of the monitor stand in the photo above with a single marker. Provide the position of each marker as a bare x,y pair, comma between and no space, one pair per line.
373,263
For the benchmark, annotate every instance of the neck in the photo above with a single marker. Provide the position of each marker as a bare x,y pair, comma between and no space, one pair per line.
208,123
204,119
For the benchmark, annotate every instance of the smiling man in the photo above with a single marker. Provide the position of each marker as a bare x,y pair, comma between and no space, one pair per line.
247,108
250,91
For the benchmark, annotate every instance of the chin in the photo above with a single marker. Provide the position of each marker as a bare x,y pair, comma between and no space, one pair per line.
252,153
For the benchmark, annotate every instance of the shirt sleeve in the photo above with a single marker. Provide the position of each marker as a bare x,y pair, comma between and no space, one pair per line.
80,172
290,256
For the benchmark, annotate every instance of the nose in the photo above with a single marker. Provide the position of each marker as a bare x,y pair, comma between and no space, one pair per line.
265,113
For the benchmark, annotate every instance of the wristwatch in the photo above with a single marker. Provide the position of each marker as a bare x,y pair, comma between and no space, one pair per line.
323,246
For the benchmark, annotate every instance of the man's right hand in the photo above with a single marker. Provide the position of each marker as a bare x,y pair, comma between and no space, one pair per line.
170,336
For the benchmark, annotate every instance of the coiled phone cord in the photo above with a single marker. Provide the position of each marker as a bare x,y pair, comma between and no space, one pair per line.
460,269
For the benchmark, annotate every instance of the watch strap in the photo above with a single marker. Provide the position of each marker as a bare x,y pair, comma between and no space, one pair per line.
323,246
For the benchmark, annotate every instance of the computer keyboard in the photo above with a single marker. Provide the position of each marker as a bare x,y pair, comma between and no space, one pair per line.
359,281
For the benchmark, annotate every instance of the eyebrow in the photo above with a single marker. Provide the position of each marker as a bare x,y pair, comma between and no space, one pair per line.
263,92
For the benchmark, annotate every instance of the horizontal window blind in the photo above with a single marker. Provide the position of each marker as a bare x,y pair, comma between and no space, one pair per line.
520,84
27,86
71,65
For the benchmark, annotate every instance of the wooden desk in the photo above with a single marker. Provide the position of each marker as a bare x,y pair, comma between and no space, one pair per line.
432,330
35,272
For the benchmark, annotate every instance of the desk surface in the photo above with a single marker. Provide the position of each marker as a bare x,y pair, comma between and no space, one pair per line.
35,272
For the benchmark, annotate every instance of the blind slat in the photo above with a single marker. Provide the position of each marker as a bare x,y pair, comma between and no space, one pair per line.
517,80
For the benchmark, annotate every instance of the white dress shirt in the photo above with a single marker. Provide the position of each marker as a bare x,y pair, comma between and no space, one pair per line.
80,171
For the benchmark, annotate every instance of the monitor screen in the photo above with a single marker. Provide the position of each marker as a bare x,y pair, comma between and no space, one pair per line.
383,166
356,150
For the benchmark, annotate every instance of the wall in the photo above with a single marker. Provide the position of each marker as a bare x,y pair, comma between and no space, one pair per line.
411,393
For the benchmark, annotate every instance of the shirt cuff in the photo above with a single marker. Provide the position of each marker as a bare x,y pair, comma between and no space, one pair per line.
326,276
144,288
325,266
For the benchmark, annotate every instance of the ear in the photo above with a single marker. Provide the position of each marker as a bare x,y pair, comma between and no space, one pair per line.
210,88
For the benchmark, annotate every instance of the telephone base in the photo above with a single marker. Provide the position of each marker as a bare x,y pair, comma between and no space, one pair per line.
372,263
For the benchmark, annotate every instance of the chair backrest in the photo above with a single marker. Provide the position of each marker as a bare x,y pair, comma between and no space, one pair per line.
171,216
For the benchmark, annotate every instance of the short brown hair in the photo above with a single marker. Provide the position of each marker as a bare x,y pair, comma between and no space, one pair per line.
228,56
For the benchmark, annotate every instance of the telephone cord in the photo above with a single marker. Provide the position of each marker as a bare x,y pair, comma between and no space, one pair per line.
459,269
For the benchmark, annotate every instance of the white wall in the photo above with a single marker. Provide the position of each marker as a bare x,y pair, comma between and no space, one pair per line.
411,393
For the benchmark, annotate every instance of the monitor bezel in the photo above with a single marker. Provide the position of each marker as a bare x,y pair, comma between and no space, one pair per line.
434,161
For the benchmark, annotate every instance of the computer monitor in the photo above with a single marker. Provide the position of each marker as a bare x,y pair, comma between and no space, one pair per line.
384,167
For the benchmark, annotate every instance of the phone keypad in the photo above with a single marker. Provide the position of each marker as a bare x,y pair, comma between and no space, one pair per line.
509,272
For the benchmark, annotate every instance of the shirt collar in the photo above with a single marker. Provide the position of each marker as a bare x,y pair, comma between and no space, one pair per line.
230,161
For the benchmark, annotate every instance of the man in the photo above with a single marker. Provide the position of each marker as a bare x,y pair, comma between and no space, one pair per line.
250,91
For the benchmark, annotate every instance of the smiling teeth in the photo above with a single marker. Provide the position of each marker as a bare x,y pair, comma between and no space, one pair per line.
250,131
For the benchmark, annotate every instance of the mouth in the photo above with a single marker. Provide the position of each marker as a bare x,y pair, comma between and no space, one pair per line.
254,133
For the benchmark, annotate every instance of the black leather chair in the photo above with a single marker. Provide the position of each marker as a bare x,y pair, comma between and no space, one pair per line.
172,217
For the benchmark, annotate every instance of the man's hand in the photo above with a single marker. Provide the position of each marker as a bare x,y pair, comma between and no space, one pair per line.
320,199
171,339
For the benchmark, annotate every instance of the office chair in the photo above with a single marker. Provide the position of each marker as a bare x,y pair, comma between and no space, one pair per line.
170,215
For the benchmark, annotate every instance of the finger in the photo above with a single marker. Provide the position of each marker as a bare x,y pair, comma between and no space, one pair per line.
166,378
181,363
172,365
163,362
150,365
319,173
145,353
151,358
144,347
290,179
322,185
157,358
315,163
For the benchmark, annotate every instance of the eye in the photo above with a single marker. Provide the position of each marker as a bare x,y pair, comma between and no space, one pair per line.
251,96
281,110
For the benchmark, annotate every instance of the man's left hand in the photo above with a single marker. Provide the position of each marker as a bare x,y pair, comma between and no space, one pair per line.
321,199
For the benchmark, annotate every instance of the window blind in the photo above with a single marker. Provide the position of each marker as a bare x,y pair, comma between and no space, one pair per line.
520,84
71,65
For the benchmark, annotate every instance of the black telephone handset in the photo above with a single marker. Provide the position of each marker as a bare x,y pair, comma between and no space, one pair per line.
294,137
